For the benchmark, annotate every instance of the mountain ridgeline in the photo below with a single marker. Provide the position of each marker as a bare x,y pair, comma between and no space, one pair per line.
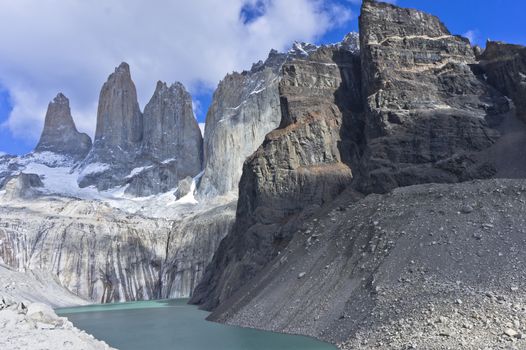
327,175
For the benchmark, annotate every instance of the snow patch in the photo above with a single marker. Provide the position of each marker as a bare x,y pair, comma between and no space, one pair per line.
190,198
137,171
93,168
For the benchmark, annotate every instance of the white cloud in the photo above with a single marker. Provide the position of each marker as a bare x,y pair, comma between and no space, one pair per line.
471,35
72,46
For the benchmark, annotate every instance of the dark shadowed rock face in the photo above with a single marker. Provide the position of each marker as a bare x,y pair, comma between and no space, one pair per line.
170,128
303,164
60,134
505,68
427,111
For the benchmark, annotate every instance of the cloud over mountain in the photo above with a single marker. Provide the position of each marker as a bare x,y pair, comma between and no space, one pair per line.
72,46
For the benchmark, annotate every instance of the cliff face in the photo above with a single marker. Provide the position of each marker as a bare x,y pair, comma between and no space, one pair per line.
119,119
60,134
428,113
303,164
118,135
150,153
170,128
105,255
245,107
411,107
172,146
505,68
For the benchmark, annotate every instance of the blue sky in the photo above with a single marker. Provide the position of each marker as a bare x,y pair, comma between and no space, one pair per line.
480,19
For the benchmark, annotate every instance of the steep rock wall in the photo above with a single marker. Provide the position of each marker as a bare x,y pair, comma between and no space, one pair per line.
105,255
303,164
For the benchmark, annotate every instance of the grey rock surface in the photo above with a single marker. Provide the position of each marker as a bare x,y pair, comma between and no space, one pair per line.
60,134
119,119
34,286
405,268
21,186
301,165
427,112
505,68
245,107
417,109
118,135
170,128
26,325
150,153
184,187
103,254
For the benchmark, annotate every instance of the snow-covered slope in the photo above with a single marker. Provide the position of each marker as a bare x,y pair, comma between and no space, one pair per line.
60,175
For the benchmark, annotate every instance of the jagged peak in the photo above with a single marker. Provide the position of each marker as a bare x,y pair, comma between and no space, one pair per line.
302,48
351,42
61,99
174,87
123,68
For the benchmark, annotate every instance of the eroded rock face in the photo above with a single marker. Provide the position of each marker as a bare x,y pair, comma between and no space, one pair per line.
118,135
505,68
105,255
21,186
303,164
149,153
245,107
171,130
119,119
60,134
427,111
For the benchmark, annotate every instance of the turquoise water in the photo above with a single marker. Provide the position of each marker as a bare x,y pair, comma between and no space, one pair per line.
174,325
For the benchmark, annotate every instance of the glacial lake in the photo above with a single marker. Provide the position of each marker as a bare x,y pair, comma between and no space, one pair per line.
175,325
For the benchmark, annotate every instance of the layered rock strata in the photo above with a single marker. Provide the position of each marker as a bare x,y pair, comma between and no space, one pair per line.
428,113
412,107
303,164
505,68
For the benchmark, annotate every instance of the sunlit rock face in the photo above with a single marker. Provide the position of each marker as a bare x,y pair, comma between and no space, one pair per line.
60,134
170,127
409,107
245,107
306,162
505,68
149,152
106,255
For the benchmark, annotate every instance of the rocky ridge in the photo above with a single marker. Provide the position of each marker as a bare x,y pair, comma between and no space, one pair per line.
307,157
148,152
425,114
